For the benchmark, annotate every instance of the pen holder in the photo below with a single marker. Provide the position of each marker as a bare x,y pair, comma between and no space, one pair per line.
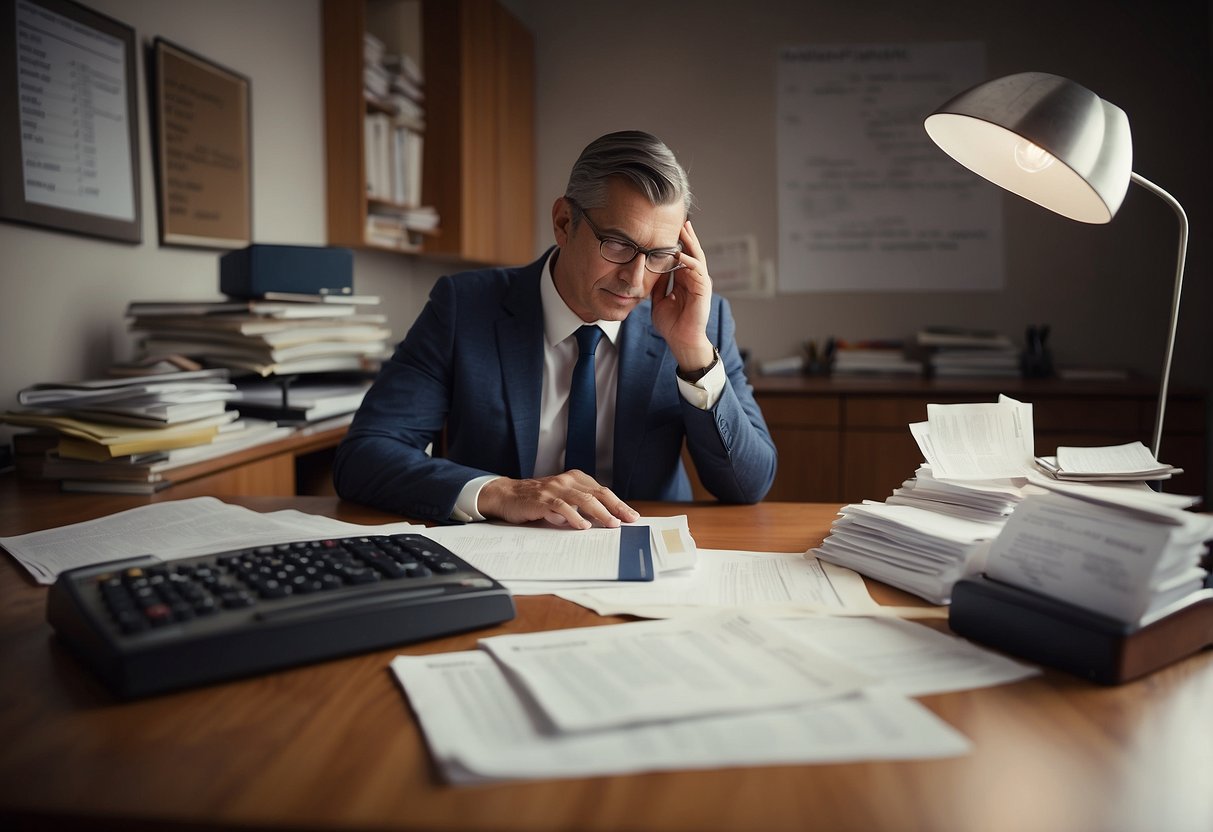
1036,364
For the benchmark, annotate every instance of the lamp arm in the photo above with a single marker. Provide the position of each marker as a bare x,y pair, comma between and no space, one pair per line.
1179,280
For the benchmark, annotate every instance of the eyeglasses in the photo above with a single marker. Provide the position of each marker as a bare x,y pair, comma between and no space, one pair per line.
615,250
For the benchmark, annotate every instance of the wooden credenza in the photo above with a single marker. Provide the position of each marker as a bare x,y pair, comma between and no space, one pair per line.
847,439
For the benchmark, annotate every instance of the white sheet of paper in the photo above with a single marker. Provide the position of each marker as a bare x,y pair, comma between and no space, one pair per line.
1108,459
603,677
480,729
173,529
533,552
977,441
908,659
726,578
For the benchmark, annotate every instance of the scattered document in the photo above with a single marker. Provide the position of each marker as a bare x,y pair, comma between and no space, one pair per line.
593,678
480,728
907,658
1119,563
174,529
977,441
540,552
674,551
749,580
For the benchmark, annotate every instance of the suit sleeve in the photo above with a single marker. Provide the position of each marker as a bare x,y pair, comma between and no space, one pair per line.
382,462
729,443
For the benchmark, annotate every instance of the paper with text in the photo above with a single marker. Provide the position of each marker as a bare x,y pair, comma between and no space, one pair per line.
479,728
174,529
977,441
602,677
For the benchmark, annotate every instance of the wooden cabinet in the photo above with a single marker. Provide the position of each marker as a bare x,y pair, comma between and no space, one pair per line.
478,166
849,440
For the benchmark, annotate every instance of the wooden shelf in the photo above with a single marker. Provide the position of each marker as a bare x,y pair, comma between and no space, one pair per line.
478,166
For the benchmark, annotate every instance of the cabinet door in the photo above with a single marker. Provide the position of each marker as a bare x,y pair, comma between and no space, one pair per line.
479,163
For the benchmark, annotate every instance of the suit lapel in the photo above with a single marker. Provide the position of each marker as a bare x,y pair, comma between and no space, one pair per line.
642,353
520,346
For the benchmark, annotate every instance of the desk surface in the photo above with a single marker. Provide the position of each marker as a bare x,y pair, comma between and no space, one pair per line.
334,745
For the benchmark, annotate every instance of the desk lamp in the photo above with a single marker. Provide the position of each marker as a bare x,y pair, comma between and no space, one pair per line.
1056,143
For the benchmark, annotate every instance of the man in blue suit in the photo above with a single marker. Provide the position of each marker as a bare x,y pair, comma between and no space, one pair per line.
494,359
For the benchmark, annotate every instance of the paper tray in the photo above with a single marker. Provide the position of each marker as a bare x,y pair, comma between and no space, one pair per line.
1075,640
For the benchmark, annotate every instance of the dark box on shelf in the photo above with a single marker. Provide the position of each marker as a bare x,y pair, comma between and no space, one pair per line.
307,270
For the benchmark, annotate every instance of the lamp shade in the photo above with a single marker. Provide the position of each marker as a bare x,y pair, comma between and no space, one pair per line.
1043,137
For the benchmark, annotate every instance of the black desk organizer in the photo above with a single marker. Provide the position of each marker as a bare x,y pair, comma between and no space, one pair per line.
1069,638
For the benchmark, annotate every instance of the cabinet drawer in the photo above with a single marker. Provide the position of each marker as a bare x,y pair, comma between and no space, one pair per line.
800,411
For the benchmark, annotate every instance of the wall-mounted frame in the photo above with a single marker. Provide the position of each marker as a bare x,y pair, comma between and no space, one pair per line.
201,133
69,122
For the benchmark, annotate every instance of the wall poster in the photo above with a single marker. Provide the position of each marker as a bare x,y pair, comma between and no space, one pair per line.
867,202
200,117
69,126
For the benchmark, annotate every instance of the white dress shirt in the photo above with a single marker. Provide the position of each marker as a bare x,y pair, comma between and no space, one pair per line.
559,355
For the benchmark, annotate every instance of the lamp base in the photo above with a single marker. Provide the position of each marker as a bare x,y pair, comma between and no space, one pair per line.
1075,640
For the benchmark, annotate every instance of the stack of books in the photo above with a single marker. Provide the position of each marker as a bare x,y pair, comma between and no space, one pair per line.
874,358
314,404
958,352
274,336
132,434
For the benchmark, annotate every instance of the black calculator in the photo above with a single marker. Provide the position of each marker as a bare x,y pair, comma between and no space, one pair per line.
146,625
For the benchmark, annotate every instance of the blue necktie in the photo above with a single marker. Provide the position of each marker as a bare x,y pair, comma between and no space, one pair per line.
580,450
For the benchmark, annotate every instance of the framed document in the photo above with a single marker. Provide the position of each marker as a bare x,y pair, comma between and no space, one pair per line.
69,128
203,148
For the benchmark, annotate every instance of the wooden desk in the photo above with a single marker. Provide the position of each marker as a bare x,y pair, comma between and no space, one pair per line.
334,745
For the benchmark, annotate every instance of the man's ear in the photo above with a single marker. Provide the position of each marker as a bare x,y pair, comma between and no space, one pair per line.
562,220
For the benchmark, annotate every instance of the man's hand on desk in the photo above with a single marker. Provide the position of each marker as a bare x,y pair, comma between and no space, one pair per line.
571,498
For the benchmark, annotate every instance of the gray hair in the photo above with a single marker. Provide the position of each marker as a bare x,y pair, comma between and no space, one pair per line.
640,158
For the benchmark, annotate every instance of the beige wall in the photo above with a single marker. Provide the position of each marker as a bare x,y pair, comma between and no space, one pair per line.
701,74
62,296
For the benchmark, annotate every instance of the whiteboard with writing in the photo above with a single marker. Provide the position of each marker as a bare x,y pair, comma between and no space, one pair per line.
867,202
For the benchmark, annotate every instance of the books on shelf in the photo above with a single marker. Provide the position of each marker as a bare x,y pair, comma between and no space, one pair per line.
961,352
874,359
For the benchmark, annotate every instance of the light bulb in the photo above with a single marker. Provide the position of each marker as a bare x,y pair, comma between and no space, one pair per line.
1031,158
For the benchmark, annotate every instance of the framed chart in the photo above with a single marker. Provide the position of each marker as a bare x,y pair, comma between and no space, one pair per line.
69,128
202,137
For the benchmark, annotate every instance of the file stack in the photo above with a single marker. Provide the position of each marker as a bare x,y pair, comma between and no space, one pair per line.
133,434
954,352
934,529
1129,554
265,337
919,550
868,358
1131,462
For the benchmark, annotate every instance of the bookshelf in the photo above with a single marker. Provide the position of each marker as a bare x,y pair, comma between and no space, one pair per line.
477,159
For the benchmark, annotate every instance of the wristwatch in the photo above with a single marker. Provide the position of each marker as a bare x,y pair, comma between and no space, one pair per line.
693,376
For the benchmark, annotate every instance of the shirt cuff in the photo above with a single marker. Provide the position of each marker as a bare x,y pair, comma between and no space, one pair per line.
705,392
465,510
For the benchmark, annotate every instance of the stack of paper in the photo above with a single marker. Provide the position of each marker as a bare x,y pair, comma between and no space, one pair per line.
265,337
1128,554
986,500
1131,462
126,434
923,552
